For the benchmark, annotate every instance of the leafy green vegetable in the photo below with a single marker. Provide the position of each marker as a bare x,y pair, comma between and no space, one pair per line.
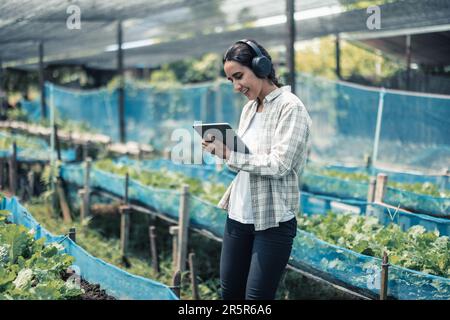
31,270
414,249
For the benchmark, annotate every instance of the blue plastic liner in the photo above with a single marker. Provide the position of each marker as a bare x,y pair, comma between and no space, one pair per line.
337,263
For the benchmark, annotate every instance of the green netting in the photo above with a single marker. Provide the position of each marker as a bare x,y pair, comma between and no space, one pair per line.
116,282
334,262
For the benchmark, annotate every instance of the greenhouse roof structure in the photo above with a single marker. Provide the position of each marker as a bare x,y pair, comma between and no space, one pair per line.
159,31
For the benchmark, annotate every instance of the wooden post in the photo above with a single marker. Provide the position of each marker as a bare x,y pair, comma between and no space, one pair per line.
173,230
194,284
176,283
445,178
85,151
368,161
87,191
83,204
42,81
153,249
371,191
79,151
13,170
2,173
408,61
380,189
127,179
124,229
183,222
3,176
166,154
338,55
67,218
58,146
31,183
73,234
384,277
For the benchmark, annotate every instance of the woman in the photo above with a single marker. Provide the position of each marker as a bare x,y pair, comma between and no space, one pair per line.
263,199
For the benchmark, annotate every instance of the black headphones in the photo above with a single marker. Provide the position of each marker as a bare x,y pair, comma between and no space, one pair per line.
261,65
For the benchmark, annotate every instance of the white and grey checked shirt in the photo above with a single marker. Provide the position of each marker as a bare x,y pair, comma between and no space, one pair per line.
280,157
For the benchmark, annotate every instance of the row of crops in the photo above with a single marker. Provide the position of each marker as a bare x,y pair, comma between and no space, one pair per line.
37,265
343,244
415,248
340,236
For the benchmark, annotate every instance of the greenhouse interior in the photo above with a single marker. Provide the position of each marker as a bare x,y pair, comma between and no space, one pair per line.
109,193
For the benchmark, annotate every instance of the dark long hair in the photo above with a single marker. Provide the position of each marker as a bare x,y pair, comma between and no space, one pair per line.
244,54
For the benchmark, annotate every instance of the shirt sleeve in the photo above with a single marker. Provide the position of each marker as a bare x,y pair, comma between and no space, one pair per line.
290,144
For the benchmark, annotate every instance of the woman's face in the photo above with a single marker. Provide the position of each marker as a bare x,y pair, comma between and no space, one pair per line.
243,79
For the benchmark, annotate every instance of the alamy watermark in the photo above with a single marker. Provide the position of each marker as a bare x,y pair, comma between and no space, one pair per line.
373,22
373,278
73,21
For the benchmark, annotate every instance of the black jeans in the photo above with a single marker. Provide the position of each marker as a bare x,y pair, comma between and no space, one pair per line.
252,262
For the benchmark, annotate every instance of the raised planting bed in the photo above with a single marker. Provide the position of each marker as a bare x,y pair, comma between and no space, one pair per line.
33,270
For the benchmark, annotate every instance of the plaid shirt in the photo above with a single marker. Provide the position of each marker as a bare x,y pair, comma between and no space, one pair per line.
281,155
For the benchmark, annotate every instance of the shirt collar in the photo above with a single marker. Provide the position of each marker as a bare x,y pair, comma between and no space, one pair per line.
275,93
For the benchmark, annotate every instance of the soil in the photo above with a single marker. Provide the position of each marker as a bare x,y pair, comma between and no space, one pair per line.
91,291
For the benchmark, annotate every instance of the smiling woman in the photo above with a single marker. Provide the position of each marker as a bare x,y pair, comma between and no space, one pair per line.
263,198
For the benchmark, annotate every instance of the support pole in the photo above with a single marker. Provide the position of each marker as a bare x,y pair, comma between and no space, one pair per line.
183,222
408,61
368,162
83,207
173,230
176,283
127,183
194,283
121,95
2,173
338,56
13,170
87,190
73,234
384,277
124,230
378,126
371,191
67,217
31,176
380,189
153,249
57,142
42,80
3,96
290,49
